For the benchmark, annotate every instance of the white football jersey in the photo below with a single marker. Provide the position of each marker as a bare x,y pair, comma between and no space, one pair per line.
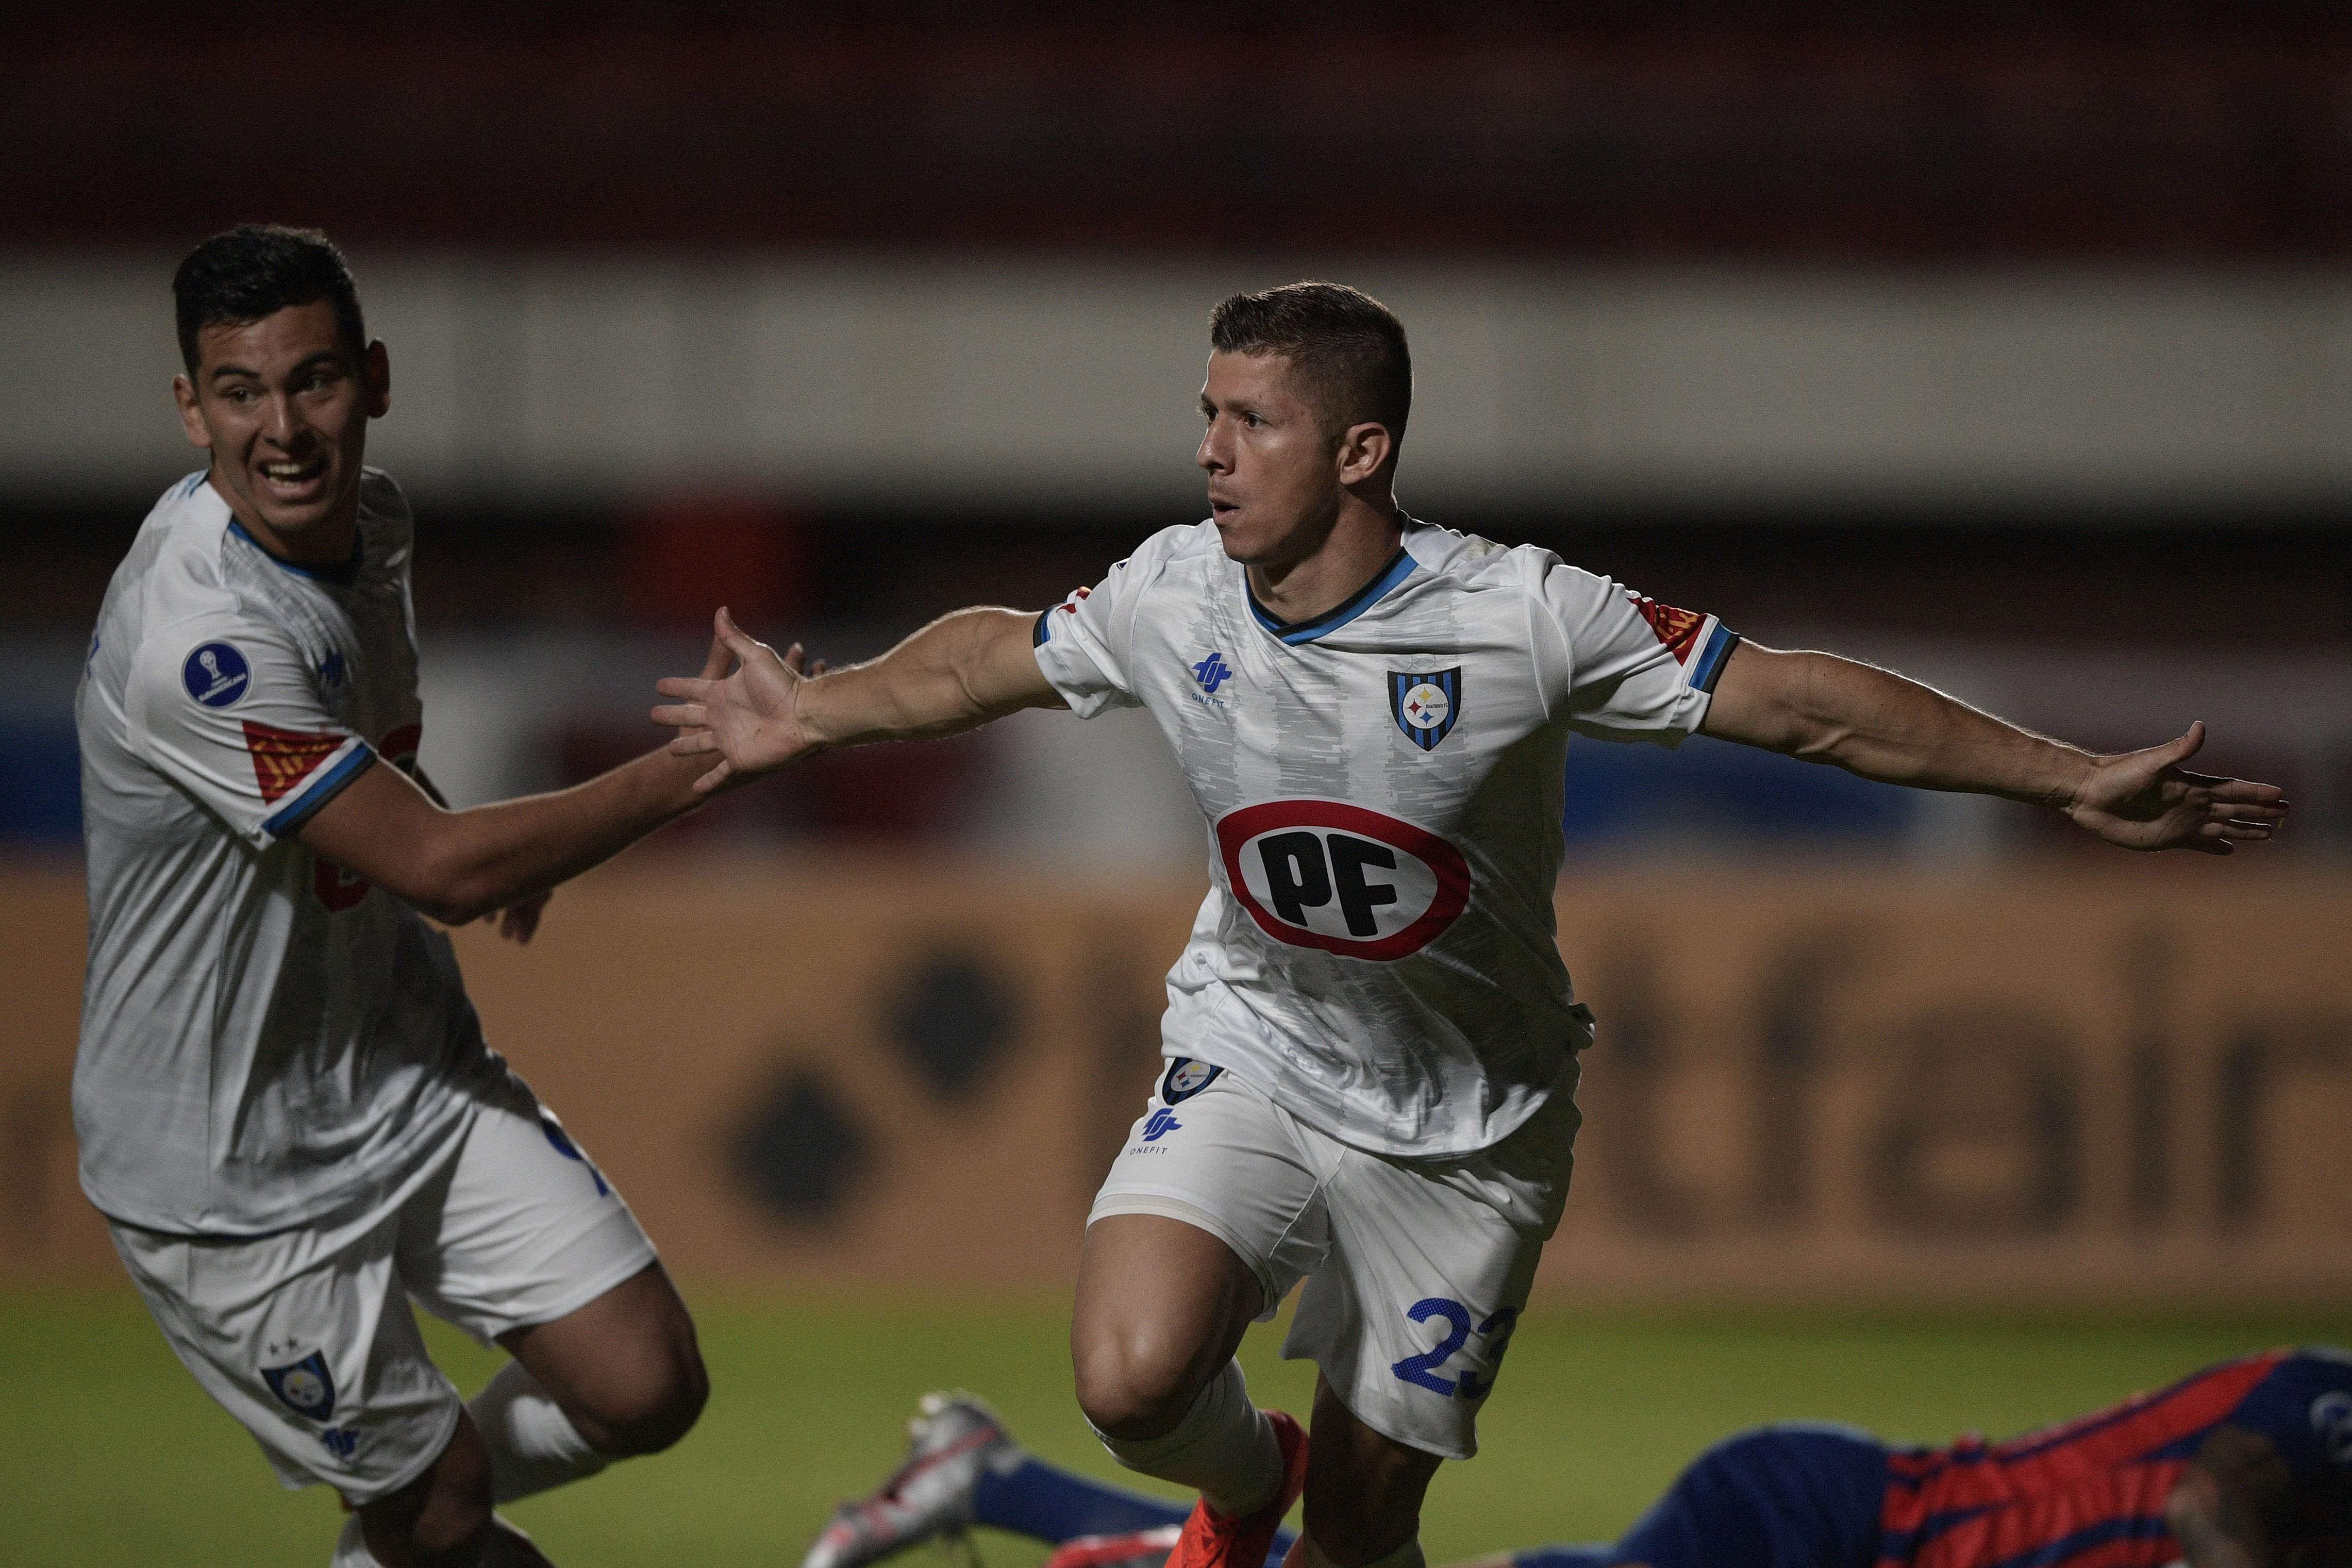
1382,788
264,1038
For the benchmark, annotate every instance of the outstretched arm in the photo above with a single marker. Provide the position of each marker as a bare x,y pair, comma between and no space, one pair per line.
957,673
1823,709
457,866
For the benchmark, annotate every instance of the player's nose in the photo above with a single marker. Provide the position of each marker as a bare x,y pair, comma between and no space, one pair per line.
279,425
1210,456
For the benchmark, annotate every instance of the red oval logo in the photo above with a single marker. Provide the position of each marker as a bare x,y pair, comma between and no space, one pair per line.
1324,874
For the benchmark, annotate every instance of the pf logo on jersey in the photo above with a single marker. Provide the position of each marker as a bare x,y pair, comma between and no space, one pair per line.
1328,875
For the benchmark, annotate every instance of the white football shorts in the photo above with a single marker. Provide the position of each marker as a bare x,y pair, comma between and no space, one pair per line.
307,1336
1416,1271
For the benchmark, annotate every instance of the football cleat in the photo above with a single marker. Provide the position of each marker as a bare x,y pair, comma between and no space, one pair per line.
952,1439
1133,1549
1212,1540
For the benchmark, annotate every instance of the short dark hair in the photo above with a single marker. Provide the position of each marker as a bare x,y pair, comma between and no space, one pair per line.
1346,346
257,270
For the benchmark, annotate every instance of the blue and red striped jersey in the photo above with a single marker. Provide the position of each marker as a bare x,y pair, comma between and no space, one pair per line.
2090,1492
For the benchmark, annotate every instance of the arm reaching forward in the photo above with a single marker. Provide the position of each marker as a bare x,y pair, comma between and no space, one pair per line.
956,674
1823,709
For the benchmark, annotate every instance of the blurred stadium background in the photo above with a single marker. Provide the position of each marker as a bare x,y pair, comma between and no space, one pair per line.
2008,346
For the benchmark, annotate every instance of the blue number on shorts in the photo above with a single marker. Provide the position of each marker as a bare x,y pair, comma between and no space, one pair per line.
1498,1332
1422,1368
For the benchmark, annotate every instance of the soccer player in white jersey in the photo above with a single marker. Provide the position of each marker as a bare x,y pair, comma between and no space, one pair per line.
1372,1040
284,1106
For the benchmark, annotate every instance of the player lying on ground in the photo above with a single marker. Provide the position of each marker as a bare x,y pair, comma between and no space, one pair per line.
2244,1465
284,1106
1371,1038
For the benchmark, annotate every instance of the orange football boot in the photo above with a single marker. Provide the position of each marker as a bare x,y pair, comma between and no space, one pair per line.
1212,1540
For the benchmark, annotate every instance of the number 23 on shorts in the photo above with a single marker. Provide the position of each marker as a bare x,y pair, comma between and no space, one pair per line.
1423,1370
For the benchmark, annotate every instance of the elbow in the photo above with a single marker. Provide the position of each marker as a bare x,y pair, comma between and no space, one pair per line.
448,890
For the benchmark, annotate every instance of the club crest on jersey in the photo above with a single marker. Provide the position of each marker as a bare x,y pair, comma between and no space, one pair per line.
305,1387
217,675
1328,875
1186,1078
1425,706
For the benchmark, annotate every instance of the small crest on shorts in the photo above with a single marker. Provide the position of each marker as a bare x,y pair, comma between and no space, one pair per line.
1186,1078
305,1387
1425,706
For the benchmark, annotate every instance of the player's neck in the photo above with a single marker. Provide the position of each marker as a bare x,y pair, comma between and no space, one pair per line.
1363,542
326,545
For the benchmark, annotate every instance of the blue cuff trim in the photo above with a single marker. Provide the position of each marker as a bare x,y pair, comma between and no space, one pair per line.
1712,659
1038,633
318,791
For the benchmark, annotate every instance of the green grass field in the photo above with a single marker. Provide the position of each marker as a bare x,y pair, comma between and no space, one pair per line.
109,1454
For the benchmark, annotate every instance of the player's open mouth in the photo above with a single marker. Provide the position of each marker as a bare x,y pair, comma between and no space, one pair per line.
289,478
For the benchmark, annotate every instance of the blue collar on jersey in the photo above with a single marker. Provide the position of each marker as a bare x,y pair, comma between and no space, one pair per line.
1399,568
341,576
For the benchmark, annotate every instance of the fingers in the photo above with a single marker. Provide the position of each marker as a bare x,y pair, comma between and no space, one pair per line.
693,744
2242,791
696,690
683,715
817,667
740,643
794,657
714,778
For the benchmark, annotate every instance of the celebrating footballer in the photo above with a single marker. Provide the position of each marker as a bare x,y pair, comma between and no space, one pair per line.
1370,1040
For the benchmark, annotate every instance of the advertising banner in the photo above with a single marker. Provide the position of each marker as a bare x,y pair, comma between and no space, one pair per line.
2066,1087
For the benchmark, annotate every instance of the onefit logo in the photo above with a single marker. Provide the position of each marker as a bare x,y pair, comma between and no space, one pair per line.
1324,874
1211,672
1162,1122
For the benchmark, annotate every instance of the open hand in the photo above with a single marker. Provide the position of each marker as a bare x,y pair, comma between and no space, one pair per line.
2147,800
750,720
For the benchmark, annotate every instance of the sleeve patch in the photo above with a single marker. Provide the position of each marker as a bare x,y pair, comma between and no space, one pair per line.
1678,629
282,759
217,675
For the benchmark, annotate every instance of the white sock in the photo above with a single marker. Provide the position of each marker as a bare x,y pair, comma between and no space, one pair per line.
533,1445
350,1548
1224,1448
1305,1553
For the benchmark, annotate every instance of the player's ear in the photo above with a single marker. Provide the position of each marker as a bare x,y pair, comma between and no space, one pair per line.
192,413
1363,450
377,366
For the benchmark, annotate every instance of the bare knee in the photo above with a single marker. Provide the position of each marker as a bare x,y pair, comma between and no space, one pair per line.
1135,1379
626,1369
649,1406
1161,1306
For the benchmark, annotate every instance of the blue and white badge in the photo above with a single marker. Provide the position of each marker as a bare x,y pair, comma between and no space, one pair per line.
305,1387
217,675
1425,706
1186,1078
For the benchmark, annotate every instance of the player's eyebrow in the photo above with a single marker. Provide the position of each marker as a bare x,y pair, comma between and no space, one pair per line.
1208,408
328,356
